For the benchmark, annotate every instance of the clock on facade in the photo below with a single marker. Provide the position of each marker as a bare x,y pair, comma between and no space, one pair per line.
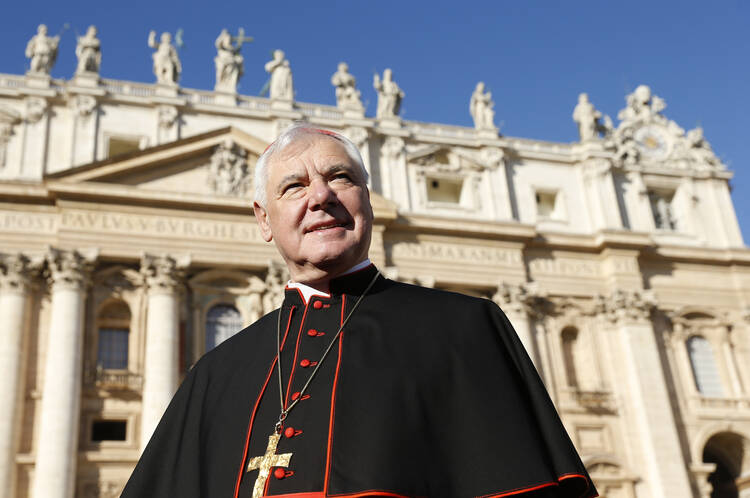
652,142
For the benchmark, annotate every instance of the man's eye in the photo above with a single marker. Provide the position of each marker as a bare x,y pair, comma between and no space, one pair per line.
342,176
291,187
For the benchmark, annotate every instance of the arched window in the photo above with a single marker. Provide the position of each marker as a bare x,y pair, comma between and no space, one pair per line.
569,346
707,379
222,322
113,336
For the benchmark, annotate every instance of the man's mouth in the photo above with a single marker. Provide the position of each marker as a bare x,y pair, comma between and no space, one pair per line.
326,226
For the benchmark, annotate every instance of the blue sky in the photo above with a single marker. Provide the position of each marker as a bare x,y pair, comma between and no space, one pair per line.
534,56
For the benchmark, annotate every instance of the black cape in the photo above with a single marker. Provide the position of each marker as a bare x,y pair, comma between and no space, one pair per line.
425,393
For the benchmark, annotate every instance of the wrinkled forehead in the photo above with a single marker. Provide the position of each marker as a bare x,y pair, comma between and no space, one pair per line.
315,149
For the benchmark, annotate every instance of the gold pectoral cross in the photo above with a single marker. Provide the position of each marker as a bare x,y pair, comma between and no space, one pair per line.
265,462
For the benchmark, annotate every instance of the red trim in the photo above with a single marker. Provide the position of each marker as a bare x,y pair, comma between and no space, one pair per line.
372,492
296,355
302,296
540,486
333,400
318,494
386,493
255,408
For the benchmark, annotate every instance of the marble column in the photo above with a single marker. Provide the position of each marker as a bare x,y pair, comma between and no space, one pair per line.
515,301
14,293
161,369
54,475
644,389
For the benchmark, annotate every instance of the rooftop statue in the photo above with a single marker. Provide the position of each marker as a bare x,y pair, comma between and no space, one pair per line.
42,50
347,95
591,123
642,105
281,87
229,62
167,67
481,108
88,51
389,95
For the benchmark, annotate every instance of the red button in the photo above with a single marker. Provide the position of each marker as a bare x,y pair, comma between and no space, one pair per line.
317,305
279,473
304,363
295,395
289,432
312,332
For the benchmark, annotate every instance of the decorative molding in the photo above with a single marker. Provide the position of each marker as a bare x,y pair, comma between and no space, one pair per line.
646,138
36,108
69,269
229,173
84,105
163,274
521,298
626,305
393,148
15,273
357,135
276,278
168,116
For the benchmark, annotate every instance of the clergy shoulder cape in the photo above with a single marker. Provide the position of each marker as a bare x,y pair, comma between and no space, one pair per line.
425,393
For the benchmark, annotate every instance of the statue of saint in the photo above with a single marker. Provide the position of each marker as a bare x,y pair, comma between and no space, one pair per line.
641,105
347,95
88,51
229,62
389,95
42,50
591,123
481,108
167,67
281,86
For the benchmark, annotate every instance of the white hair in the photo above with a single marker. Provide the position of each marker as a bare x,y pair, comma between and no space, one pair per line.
287,137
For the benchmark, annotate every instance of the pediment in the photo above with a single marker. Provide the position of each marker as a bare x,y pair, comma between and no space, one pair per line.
213,169
219,164
445,158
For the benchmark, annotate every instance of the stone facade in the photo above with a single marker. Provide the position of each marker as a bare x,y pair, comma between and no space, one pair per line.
124,208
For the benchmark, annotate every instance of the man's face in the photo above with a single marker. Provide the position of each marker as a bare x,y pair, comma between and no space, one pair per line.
318,208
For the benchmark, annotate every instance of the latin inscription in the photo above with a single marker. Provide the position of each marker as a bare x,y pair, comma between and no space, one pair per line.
565,266
103,222
454,252
28,222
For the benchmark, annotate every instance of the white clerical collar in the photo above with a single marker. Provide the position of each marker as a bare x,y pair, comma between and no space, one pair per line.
307,292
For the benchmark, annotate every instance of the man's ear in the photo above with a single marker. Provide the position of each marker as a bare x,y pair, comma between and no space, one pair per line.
262,216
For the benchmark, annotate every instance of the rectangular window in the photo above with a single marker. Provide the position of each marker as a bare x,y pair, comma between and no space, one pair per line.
444,190
109,430
662,209
121,145
113,348
545,205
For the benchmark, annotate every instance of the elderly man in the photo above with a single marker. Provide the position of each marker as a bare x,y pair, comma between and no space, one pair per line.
358,385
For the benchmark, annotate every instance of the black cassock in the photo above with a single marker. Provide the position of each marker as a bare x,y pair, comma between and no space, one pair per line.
425,393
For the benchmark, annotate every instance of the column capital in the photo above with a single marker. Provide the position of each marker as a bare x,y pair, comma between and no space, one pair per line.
15,273
626,305
520,298
163,274
69,269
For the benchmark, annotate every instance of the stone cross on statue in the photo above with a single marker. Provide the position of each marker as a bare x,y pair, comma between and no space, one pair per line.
265,462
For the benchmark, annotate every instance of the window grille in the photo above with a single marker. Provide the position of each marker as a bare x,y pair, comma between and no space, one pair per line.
705,372
112,352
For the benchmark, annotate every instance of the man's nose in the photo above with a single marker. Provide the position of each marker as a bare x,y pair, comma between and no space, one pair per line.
321,194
